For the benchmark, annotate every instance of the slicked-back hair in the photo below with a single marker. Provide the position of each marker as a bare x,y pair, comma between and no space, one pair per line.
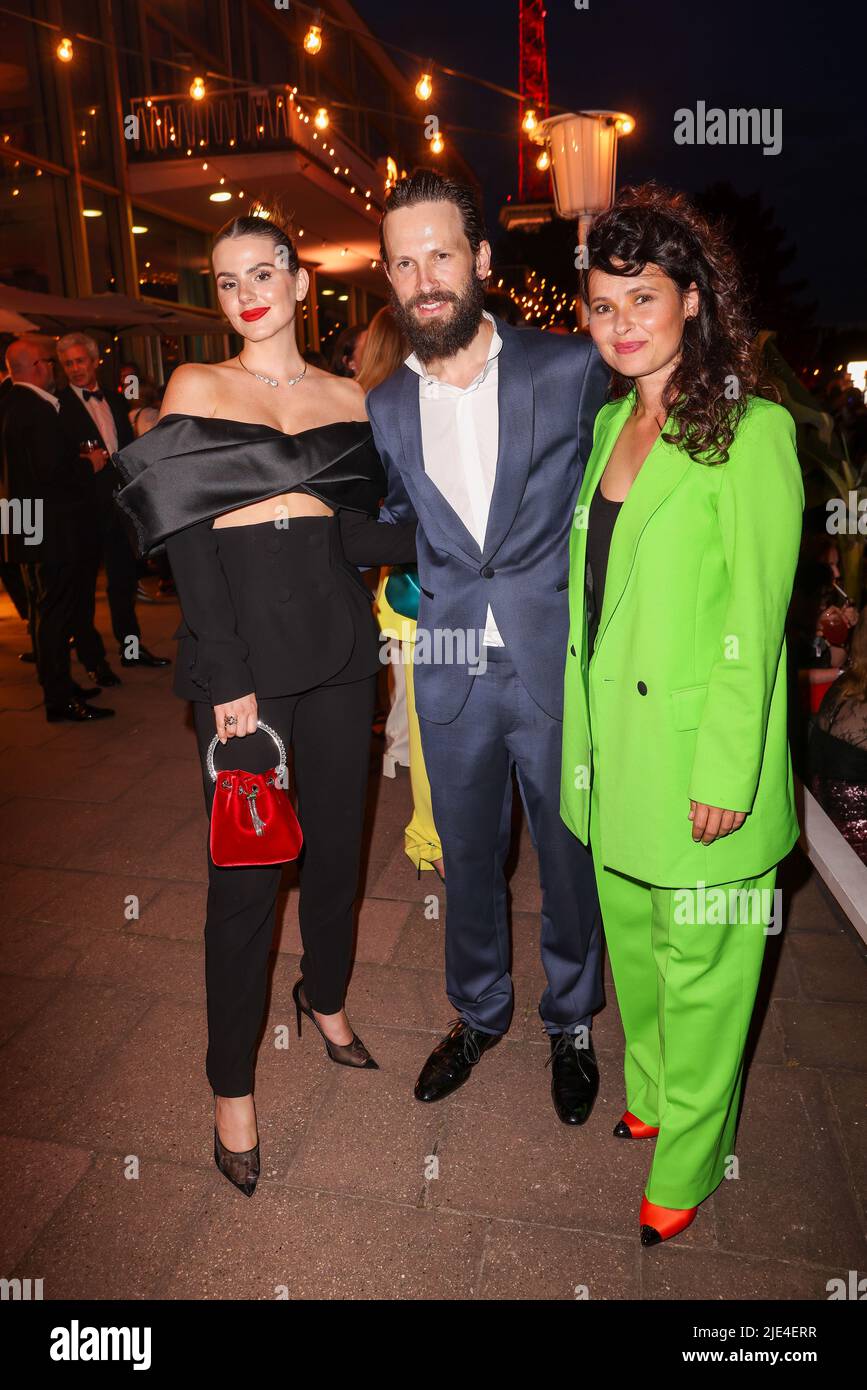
251,225
430,186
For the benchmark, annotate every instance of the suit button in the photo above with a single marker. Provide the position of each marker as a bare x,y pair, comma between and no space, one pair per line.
573,651
642,688
487,572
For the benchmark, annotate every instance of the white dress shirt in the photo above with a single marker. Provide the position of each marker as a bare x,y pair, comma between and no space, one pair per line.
46,395
460,428
100,414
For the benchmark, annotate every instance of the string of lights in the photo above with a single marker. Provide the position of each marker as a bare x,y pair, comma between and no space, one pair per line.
312,43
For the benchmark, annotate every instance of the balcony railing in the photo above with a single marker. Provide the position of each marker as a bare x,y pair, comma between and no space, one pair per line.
241,122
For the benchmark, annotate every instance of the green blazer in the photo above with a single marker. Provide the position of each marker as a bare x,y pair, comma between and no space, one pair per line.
685,696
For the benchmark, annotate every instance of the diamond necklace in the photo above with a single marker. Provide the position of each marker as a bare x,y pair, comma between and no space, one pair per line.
272,380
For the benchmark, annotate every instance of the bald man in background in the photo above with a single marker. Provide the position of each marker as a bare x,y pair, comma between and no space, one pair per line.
43,501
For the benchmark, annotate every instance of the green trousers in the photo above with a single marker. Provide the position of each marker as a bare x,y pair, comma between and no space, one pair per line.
686,965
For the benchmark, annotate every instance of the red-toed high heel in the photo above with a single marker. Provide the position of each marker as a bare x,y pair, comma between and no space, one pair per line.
630,1127
661,1223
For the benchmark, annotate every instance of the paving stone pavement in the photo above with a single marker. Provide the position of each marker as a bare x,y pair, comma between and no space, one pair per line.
109,1188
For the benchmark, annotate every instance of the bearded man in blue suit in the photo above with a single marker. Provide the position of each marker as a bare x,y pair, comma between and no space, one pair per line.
485,431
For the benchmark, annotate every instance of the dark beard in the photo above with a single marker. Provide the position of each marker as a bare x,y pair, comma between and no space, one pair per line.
432,341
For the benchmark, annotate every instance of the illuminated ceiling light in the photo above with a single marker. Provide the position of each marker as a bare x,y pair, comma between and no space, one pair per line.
313,37
544,161
327,291
373,265
343,298
222,181
15,192
91,212
138,231
321,119
437,144
337,168
64,50
529,122
424,87
197,88
204,166
222,196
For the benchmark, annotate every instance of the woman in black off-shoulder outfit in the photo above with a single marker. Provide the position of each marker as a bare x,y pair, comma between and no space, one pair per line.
262,479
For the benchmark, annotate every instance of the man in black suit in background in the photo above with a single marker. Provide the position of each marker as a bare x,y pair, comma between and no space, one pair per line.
88,412
45,516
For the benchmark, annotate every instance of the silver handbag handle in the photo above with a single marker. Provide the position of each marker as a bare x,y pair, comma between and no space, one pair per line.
281,749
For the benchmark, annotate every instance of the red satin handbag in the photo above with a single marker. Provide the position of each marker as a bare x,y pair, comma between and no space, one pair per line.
252,819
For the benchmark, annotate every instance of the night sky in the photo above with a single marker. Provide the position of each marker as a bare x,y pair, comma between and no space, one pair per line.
808,59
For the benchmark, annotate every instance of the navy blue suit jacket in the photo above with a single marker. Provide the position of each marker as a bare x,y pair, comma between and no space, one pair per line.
550,387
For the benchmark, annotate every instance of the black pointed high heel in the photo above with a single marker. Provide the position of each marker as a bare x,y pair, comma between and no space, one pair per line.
353,1054
240,1166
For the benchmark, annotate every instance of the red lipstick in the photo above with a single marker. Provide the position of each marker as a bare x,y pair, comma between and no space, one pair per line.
628,347
250,315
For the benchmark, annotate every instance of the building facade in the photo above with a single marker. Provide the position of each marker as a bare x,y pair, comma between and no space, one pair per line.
114,175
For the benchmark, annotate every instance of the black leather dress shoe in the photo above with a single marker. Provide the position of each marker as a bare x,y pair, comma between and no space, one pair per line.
452,1060
574,1078
145,658
86,692
102,674
77,712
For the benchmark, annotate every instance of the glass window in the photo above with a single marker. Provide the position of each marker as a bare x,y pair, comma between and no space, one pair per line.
173,261
333,304
101,221
87,77
199,20
32,210
28,112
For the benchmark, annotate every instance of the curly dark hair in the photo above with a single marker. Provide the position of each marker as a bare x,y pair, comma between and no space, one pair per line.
718,368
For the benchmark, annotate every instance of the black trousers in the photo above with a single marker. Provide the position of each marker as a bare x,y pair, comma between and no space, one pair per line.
51,597
110,545
329,729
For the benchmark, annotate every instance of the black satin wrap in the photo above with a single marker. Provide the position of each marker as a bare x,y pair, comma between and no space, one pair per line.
189,468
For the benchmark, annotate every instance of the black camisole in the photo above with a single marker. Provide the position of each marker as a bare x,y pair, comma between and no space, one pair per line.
600,526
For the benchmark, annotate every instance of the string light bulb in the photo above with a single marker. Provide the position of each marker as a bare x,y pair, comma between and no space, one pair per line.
544,161
625,125
313,37
424,87
197,88
529,122
437,144
321,119
65,51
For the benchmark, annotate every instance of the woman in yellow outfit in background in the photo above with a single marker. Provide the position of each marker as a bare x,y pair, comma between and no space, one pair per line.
384,351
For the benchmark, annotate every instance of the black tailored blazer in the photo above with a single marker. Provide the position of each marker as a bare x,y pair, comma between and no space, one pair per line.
80,425
40,465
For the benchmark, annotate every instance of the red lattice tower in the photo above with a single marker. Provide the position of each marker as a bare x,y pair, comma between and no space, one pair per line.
534,185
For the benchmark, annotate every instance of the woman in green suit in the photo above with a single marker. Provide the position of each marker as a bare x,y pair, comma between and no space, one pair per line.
676,765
